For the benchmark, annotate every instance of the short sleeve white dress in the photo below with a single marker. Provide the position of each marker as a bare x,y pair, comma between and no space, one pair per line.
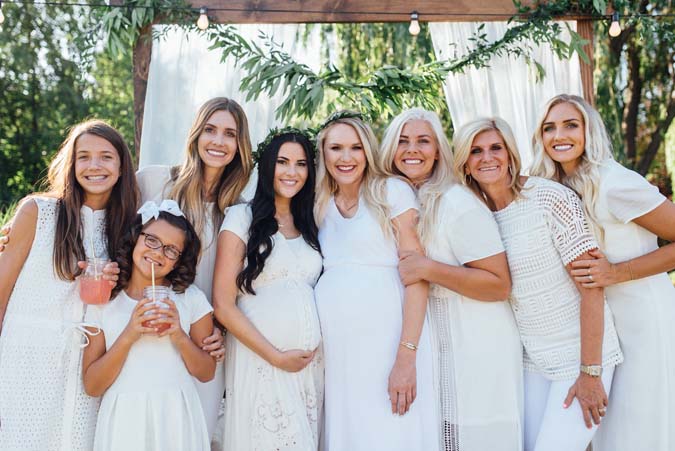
153,404
267,408
477,345
360,299
43,405
641,411
155,184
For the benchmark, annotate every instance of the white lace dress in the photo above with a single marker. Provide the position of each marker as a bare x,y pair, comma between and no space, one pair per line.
42,401
360,302
476,344
542,232
641,410
267,408
153,404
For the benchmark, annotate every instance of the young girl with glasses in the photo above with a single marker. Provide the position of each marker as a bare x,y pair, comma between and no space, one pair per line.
144,357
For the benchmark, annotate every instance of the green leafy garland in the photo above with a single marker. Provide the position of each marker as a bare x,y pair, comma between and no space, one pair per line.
384,91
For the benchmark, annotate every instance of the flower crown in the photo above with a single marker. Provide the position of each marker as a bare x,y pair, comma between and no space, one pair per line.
276,132
342,114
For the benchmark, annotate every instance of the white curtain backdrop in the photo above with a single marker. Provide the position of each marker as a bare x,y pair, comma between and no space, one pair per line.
508,88
184,74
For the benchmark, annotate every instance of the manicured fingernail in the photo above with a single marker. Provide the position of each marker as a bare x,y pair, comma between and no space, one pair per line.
564,406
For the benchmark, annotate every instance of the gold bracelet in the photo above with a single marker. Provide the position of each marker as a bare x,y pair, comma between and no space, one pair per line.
630,270
411,346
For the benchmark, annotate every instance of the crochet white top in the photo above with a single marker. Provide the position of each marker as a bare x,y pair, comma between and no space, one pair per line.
543,231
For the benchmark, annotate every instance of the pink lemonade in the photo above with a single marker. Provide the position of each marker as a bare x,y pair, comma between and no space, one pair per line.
161,327
94,290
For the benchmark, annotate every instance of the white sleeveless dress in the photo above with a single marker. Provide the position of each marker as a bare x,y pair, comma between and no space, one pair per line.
43,405
641,410
360,300
153,404
267,408
477,346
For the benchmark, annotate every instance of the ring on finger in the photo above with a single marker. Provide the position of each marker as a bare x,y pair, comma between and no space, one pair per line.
590,277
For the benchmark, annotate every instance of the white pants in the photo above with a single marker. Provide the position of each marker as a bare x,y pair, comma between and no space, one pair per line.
548,425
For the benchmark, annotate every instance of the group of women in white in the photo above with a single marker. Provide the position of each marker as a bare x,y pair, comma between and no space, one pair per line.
393,296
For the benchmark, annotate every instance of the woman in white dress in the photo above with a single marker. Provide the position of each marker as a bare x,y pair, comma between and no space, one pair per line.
142,356
472,326
90,204
571,346
627,214
377,350
216,169
267,264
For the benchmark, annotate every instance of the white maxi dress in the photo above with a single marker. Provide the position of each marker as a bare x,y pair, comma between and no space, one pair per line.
360,299
153,404
477,345
43,406
641,410
267,408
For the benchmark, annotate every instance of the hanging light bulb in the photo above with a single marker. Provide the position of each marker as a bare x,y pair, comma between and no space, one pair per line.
2,16
203,21
414,27
615,27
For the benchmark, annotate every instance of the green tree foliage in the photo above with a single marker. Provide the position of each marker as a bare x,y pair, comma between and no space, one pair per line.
50,79
635,80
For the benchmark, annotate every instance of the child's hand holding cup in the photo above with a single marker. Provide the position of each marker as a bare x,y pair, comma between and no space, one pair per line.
157,294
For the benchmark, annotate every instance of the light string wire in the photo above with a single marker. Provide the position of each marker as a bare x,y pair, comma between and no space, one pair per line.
404,16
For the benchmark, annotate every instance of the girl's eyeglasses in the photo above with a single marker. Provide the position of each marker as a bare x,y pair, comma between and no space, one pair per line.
153,242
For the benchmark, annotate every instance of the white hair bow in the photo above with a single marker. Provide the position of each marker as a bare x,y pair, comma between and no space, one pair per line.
150,210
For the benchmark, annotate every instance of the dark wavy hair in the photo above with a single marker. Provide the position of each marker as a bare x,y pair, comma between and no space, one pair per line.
183,273
263,225
63,185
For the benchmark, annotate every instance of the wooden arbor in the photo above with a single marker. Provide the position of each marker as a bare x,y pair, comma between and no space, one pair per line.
306,11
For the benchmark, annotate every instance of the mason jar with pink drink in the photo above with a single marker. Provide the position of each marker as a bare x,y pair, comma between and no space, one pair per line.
94,289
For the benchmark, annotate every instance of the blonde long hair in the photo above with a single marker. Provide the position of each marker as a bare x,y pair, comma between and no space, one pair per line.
598,149
442,177
373,185
188,186
463,140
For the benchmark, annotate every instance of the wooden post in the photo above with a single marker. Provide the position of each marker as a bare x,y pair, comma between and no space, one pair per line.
585,30
141,58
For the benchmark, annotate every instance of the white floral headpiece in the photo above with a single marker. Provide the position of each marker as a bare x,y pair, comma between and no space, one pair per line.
150,210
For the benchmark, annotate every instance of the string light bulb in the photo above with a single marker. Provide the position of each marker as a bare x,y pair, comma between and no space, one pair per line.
414,27
203,21
2,16
615,27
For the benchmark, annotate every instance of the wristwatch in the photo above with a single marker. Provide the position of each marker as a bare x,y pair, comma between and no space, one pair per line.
591,370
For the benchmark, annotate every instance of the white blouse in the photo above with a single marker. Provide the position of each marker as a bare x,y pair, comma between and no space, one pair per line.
543,231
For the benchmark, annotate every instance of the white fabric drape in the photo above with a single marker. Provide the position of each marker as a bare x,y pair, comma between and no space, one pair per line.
508,88
184,74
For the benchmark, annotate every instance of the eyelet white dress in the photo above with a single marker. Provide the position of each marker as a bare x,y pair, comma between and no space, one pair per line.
641,410
43,405
153,404
267,408
360,300
477,346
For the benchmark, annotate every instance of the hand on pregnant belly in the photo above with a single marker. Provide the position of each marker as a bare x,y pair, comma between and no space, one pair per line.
293,360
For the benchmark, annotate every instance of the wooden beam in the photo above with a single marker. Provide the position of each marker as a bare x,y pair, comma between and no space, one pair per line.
585,30
322,11
141,58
